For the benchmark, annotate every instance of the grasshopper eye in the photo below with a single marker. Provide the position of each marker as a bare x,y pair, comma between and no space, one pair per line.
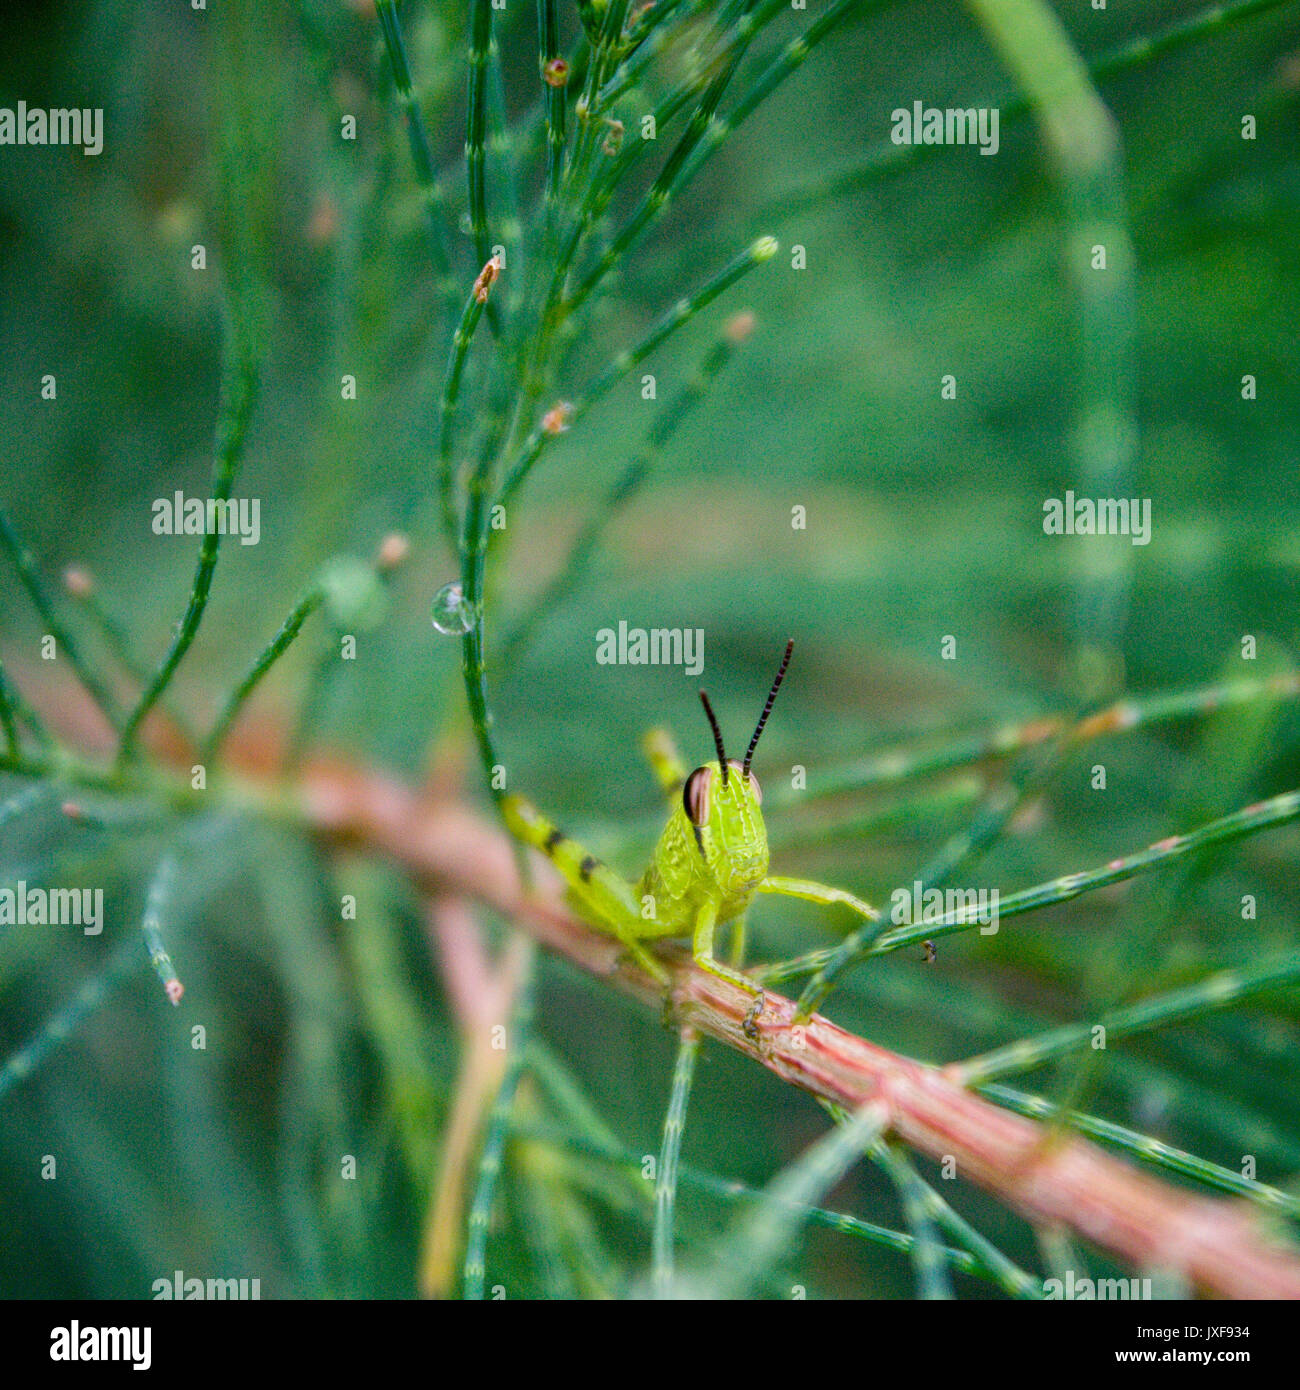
697,795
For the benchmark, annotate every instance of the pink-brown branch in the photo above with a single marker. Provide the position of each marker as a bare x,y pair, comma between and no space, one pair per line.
1046,1176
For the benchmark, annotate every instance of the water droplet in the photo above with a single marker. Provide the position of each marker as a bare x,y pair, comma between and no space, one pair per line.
451,614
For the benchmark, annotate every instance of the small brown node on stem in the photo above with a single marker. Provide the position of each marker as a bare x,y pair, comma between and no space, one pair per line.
613,141
556,73
323,225
740,326
393,549
174,990
78,582
556,420
486,279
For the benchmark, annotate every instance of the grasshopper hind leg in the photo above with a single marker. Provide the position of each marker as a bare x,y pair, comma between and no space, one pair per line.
596,893
665,761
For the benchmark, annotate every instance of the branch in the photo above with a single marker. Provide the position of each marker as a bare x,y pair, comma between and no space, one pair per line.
1047,1177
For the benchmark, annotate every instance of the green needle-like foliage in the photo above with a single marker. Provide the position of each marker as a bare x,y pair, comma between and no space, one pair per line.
454,287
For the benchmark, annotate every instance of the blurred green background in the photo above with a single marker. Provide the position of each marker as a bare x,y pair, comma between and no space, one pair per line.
924,519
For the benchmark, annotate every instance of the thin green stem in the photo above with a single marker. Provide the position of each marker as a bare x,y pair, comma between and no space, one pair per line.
661,1276
238,392
747,1254
1082,143
903,764
548,50
1141,1147
682,312
10,703
274,649
734,38
629,483
1251,820
653,36
656,201
436,208
739,1193
65,1021
156,903
920,1206
1215,992
787,62
1026,779
113,634
480,43
888,158
494,1142
30,577
460,346
1019,1283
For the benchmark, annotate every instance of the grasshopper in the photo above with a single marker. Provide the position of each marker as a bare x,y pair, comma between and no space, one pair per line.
709,864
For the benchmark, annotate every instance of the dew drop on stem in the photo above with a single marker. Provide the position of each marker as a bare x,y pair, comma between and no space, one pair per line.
451,614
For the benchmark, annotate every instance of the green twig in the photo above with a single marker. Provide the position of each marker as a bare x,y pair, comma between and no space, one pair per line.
661,1277
1141,1147
43,602
747,1254
920,1206
437,212
682,312
156,903
238,391
629,483
494,1143
66,1020
1264,815
274,649
1215,992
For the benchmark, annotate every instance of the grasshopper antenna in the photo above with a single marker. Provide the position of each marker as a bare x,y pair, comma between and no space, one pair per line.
767,708
717,735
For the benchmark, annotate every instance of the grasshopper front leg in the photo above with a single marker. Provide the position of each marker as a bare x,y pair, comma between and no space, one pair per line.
706,919
814,892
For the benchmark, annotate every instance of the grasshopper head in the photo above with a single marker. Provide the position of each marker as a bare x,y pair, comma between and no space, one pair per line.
723,801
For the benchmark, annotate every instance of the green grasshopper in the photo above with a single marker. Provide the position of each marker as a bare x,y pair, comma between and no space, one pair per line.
710,862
